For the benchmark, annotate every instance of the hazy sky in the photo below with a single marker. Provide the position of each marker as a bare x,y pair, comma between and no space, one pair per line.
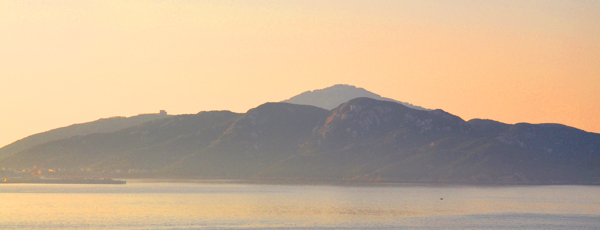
65,62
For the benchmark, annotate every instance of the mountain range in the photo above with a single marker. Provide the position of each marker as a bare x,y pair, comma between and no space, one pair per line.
363,139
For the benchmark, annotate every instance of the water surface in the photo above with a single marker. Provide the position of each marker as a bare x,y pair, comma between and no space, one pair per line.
144,205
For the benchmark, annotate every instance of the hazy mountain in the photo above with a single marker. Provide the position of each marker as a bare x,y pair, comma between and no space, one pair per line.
254,142
105,125
333,96
150,145
363,140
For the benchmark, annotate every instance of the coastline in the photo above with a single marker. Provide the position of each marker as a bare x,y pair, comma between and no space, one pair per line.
63,181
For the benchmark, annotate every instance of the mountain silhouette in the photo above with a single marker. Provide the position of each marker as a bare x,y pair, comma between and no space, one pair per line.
332,97
104,125
363,139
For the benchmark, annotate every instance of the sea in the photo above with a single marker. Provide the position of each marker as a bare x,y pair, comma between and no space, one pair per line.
148,204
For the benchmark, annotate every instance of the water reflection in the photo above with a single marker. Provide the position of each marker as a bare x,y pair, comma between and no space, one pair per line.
197,205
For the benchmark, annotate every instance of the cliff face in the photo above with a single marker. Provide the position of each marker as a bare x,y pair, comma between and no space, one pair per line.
363,139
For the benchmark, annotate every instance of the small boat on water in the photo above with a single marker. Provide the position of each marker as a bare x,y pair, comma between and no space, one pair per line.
61,181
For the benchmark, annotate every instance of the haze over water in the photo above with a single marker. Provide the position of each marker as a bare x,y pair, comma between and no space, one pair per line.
252,206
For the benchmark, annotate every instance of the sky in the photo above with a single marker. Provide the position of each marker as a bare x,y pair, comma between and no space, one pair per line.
66,62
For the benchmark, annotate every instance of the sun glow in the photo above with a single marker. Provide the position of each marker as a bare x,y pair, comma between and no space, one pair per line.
78,61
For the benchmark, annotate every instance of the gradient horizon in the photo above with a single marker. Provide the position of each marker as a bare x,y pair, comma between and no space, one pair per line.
66,62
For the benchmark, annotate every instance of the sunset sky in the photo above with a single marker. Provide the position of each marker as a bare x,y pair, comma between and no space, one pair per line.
66,62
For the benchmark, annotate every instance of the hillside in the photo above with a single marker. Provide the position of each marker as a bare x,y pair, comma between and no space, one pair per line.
104,125
361,140
150,145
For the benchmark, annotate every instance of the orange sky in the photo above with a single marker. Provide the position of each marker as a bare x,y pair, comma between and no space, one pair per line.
65,62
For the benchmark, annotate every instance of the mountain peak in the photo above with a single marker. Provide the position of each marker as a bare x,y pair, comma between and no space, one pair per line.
333,96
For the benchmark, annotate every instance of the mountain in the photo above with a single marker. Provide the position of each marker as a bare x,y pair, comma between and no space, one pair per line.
360,140
327,98
150,145
105,125
331,97
254,142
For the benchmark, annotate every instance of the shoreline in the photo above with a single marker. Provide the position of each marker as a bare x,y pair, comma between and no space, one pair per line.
63,181
330,182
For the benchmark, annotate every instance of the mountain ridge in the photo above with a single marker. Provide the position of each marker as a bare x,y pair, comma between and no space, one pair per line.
361,140
333,96
102,125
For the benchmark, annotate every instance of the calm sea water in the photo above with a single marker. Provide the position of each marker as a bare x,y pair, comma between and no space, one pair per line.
151,205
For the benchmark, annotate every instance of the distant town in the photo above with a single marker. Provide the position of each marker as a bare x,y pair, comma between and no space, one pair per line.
35,172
